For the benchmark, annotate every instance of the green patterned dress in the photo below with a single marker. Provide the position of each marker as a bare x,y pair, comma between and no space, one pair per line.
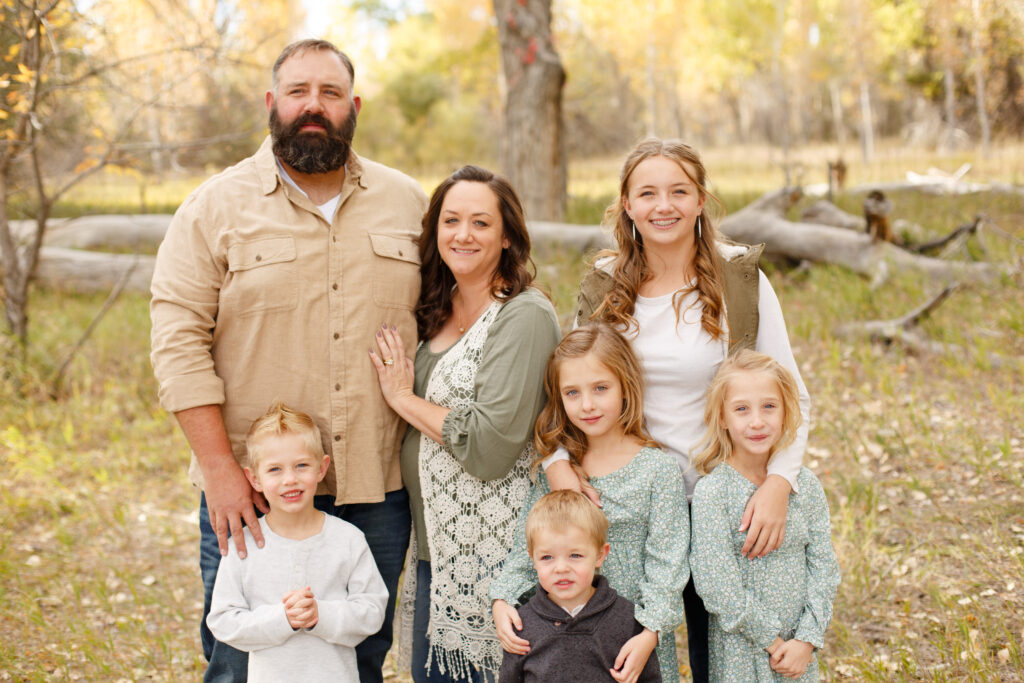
787,593
649,533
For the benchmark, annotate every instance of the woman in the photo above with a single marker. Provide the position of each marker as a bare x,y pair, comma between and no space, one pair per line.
471,398
686,299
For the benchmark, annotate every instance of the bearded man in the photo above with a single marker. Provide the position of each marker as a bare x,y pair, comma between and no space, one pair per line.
271,282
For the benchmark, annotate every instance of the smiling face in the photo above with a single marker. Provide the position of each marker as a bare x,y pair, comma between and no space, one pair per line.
663,202
591,395
753,415
566,560
287,473
470,232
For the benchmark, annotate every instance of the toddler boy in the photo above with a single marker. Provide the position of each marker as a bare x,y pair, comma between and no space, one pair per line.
300,604
576,623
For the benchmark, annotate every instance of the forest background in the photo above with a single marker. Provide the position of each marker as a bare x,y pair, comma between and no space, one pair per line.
125,106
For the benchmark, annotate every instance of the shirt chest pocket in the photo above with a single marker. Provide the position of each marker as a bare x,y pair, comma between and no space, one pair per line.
263,275
396,270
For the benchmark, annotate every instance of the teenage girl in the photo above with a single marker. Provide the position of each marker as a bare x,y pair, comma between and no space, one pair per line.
767,615
595,388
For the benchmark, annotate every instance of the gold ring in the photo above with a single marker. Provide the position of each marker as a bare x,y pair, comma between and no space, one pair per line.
389,361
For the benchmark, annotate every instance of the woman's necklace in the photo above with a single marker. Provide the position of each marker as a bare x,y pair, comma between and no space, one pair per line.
458,316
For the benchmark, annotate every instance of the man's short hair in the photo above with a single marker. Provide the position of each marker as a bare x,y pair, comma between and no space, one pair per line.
302,46
278,421
560,509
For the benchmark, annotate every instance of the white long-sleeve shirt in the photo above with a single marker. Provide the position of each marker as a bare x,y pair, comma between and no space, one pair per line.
680,360
248,614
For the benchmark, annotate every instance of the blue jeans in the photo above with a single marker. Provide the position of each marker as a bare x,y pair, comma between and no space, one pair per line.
421,643
386,526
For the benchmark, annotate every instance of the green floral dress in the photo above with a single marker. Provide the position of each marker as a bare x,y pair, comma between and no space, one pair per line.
788,593
649,533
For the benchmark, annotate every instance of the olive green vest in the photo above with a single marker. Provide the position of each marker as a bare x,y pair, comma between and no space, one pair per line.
740,285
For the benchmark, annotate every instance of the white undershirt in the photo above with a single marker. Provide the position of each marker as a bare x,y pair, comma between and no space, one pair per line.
326,209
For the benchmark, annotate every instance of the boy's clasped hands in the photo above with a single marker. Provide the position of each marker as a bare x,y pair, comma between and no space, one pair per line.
300,608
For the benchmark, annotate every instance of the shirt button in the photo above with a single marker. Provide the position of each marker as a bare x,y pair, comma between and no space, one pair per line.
334,286
336,335
258,257
337,437
337,387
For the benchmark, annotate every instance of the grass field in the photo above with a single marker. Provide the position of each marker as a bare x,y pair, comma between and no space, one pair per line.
922,457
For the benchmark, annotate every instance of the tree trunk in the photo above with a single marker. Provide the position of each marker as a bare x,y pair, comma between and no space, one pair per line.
867,125
533,149
979,78
837,114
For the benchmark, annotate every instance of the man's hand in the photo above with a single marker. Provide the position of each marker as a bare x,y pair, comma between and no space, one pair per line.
300,608
791,658
633,656
229,495
764,518
230,503
506,622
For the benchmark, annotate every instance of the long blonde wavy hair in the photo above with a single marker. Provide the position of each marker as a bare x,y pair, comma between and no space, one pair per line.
630,267
716,446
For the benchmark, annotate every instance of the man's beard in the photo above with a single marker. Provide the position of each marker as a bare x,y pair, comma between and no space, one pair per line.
312,152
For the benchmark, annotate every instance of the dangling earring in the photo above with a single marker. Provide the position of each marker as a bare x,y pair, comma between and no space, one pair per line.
700,233
634,230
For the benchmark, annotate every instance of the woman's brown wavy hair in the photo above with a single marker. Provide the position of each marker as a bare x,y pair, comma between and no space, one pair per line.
630,268
515,271
554,428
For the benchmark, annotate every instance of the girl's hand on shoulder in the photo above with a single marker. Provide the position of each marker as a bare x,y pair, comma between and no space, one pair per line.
791,658
764,518
633,656
562,477
506,623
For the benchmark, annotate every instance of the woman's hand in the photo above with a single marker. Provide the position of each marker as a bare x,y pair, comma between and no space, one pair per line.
791,658
561,476
394,368
764,518
633,656
506,622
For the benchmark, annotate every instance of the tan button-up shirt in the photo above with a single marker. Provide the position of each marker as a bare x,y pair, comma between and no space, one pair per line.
257,298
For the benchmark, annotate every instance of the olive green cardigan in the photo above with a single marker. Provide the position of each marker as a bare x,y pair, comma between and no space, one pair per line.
740,285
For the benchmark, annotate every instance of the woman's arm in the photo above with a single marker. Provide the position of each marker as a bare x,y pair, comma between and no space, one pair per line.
489,435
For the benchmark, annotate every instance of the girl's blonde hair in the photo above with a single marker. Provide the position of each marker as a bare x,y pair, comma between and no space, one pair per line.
716,445
277,421
554,428
630,267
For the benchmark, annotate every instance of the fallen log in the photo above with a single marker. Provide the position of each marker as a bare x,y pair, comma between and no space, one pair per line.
764,221
761,221
75,270
904,330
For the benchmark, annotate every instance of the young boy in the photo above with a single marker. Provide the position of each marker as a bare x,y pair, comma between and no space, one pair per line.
576,623
300,604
